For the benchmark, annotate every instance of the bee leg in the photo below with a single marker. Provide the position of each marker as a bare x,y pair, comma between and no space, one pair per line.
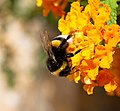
64,43
65,72
73,70
72,54
68,37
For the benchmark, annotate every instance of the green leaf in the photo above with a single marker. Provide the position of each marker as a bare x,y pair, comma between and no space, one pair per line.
71,0
10,76
84,2
118,9
51,19
113,10
118,46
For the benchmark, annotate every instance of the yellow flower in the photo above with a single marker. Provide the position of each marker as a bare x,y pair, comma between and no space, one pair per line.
77,77
71,22
102,16
76,59
104,63
94,34
110,87
63,26
95,39
93,73
94,4
39,3
86,53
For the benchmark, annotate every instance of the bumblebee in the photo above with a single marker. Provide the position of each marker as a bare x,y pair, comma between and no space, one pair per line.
57,61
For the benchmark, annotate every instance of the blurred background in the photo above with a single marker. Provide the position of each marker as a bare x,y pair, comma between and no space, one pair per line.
25,82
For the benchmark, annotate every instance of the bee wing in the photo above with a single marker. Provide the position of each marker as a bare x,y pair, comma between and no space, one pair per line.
46,43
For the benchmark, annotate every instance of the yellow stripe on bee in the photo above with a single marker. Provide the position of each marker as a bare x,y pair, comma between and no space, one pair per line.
57,72
56,43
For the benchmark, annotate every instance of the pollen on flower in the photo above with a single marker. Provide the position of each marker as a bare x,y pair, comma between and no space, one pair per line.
96,41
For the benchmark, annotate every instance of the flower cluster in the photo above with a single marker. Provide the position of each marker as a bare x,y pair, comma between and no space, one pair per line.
97,41
55,6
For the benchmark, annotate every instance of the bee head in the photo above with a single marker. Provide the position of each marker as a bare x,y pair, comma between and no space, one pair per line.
52,64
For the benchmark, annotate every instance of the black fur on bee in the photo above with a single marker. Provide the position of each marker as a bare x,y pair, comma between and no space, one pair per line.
57,61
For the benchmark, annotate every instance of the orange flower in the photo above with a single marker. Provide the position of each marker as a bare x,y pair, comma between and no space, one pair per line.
96,40
104,77
89,89
56,6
